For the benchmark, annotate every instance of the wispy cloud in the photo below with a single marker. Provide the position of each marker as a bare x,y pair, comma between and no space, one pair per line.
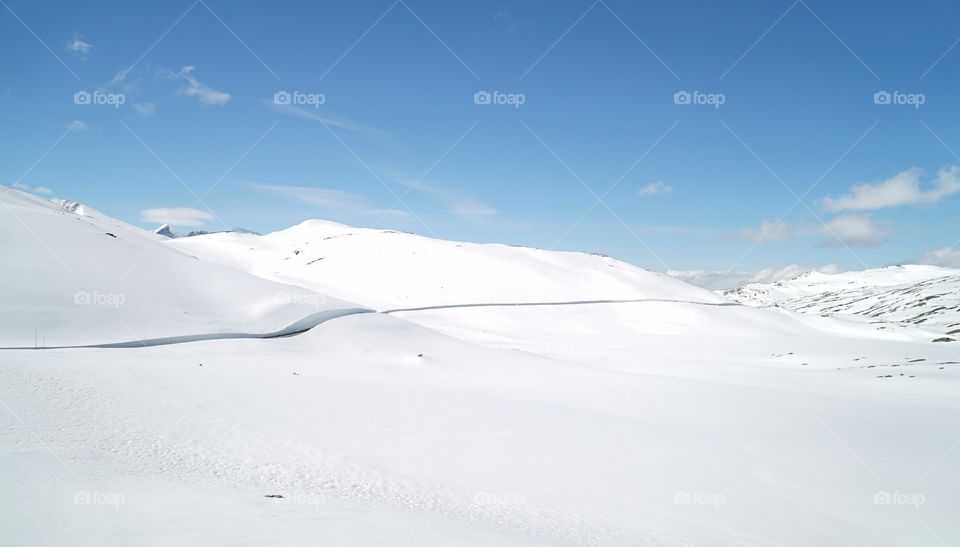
177,216
457,204
42,190
193,87
902,189
325,119
505,20
658,188
77,125
948,257
853,230
79,47
768,232
857,230
145,109
474,212
338,203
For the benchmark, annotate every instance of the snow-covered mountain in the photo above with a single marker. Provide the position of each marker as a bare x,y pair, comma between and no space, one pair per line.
386,269
71,275
927,296
167,231
520,397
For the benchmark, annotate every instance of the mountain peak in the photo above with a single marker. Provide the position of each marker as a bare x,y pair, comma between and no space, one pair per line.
165,231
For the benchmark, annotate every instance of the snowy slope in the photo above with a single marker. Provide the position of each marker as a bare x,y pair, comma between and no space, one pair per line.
386,269
928,296
603,430
498,408
71,275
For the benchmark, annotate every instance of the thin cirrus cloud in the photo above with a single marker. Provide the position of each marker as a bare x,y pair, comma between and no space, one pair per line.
176,216
145,109
42,190
769,232
457,204
324,119
192,87
658,188
845,230
337,203
902,189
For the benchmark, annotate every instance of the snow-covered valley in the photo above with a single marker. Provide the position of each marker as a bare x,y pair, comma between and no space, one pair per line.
449,393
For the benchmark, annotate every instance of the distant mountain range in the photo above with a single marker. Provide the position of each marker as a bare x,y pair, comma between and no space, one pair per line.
926,296
167,231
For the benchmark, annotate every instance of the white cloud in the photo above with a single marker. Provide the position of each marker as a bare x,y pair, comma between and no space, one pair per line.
722,280
457,204
79,47
145,109
505,20
76,125
657,188
855,230
392,213
476,212
196,89
298,112
177,216
858,230
769,231
321,197
902,189
334,203
948,257
43,190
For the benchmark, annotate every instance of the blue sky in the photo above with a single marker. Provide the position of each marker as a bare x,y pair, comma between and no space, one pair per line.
683,186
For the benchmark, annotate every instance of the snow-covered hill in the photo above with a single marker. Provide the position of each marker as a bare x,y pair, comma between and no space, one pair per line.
521,397
385,269
927,296
73,276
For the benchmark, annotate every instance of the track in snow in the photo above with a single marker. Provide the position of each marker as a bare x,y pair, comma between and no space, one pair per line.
570,303
313,320
298,327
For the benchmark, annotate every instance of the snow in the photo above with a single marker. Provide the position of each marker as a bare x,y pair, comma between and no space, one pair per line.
596,404
928,296
72,276
385,269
